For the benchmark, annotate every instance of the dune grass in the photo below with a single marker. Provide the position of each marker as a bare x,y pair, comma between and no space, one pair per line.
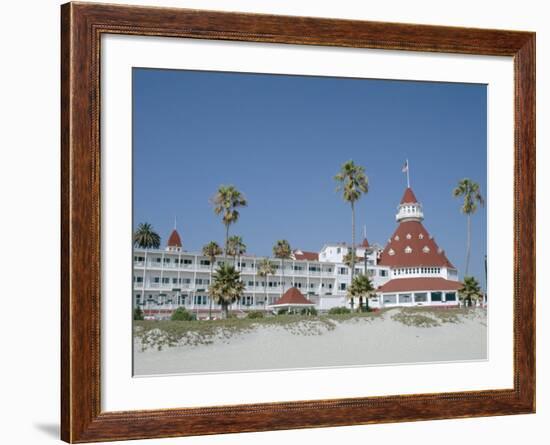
153,334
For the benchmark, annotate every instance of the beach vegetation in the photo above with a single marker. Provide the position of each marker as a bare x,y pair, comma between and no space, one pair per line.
470,291
226,287
212,250
339,310
138,314
226,203
265,269
471,193
182,314
353,183
282,251
361,287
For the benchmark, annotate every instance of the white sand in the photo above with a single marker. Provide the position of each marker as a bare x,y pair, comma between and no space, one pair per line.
355,342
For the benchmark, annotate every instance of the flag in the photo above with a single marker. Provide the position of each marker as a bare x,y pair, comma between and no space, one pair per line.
405,168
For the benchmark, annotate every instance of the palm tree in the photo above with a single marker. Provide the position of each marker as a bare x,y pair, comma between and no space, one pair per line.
226,201
145,238
470,291
211,251
353,183
236,247
361,286
282,250
265,268
472,197
226,287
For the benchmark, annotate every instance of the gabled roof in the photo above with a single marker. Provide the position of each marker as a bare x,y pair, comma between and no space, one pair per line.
365,243
174,240
293,297
303,255
411,246
408,196
419,284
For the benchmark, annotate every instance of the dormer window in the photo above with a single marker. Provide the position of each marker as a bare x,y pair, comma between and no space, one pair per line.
420,236
408,249
396,238
391,252
409,236
426,249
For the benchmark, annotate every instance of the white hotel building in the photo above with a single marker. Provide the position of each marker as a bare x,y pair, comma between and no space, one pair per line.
410,270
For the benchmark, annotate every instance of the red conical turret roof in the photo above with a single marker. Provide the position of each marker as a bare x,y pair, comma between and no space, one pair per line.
412,246
174,240
408,196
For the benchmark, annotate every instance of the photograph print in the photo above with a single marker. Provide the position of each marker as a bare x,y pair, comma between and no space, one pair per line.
296,222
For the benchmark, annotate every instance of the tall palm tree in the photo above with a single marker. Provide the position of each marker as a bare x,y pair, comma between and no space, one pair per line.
470,291
236,247
282,250
226,287
353,183
361,286
211,251
145,238
265,269
471,192
226,201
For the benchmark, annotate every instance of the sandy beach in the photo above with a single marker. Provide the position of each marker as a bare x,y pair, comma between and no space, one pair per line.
391,337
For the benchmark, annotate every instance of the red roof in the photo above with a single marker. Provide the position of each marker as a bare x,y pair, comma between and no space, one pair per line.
293,296
419,284
365,243
174,240
408,197
412,246
308,256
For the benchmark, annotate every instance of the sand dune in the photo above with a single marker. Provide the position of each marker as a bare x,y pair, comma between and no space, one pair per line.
358,341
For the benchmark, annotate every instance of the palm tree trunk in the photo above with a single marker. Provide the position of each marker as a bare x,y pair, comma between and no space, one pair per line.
283,276
209,293
226,238
468,245
352,246
265,292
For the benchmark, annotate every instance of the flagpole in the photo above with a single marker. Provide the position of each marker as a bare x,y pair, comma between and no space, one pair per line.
408,181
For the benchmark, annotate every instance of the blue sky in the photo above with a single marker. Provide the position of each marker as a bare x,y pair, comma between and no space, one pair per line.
281,139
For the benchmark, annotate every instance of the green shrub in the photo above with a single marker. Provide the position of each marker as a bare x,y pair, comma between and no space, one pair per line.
181,314
138,314
308,311
255,314
282,311
339,310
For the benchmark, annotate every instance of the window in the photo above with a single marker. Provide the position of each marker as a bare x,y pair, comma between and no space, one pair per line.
158,260
251,283
405,298
166,260
174,281
436,296
383,273
390,299
408,249
421,297
343,286
165,280
138,279
343,270
450,296
205,262
156,280
330,286
187,261
186,280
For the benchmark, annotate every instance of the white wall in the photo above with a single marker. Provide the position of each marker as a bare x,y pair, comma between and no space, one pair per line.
29,180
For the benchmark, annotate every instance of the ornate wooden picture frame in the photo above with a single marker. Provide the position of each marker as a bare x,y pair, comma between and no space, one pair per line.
82,25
